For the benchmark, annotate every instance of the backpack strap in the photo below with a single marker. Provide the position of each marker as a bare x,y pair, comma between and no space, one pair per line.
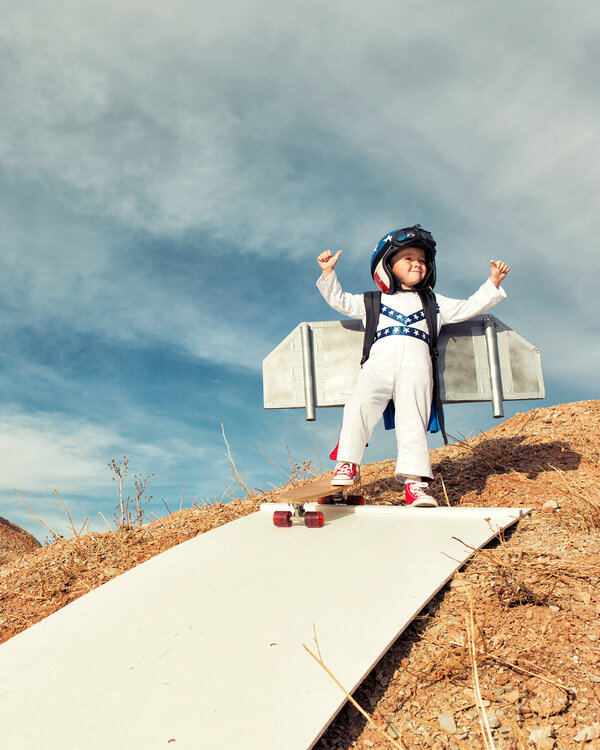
372,308
430,309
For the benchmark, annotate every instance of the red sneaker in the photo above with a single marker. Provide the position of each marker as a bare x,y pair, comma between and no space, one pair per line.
346,473
415,494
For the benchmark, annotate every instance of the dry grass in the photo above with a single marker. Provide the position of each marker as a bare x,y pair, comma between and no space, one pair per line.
584,503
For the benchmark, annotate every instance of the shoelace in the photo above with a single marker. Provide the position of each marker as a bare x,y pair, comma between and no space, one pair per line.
417,488
345,469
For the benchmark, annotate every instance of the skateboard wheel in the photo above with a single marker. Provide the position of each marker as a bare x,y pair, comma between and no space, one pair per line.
327,500
282,518
354,500
314,519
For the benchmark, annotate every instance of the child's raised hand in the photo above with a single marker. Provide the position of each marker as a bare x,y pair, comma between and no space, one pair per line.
327,261
498,272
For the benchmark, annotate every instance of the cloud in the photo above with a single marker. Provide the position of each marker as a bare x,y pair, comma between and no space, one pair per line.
242,124
43,451
40,450
192,119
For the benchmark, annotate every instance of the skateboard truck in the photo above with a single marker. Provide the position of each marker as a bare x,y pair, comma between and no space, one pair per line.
313,519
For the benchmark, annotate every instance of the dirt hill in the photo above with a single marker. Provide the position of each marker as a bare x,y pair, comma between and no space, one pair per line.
15,541
523,614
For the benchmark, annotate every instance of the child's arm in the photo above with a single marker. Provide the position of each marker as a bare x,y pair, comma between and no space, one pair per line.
327,261
352,305
498,272
488,295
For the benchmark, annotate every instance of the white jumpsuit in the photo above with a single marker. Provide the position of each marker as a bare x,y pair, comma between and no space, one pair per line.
398,368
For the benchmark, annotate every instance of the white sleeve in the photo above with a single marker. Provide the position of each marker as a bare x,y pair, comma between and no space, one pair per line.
352,305
456,310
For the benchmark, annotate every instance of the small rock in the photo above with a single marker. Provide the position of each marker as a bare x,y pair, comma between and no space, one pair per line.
542,706
512,696
540,733
550,505
588,733
592,638
493,720
554,608
446,721
112,572
368,743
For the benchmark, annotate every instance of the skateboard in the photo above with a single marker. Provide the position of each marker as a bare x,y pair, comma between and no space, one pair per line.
320,490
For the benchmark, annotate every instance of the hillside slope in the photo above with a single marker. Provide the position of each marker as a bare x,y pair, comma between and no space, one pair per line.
534,595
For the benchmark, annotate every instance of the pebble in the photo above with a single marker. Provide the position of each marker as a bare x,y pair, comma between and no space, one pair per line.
493,720
446,721
588,733
112,572
541,733
550,505
543,707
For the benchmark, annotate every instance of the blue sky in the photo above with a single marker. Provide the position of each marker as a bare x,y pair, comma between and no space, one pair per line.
169,172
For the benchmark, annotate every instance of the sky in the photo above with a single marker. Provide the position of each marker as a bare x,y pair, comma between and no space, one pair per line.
169,173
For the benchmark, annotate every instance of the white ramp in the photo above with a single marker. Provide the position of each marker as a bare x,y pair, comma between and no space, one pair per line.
201,647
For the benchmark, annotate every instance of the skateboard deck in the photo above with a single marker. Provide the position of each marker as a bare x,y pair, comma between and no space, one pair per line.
321,490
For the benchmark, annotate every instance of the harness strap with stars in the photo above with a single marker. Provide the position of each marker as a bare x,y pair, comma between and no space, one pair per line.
405,329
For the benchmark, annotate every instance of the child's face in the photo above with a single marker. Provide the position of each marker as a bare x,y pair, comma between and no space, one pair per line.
409,266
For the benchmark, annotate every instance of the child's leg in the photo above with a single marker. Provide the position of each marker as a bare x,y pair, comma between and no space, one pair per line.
364,408
412,398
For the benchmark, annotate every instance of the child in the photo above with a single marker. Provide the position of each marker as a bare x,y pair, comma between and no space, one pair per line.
399,365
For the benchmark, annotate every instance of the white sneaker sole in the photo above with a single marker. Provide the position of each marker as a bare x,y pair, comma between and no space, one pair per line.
424,504
342,482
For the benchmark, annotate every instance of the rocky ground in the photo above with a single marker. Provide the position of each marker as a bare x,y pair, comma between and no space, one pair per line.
522,617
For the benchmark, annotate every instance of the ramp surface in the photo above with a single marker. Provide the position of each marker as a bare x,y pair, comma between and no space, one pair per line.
201,647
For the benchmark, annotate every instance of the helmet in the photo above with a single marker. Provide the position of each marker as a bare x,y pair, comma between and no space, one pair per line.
388,246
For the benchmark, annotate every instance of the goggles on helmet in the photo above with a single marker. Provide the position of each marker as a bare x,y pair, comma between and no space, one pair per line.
388,246
416,233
